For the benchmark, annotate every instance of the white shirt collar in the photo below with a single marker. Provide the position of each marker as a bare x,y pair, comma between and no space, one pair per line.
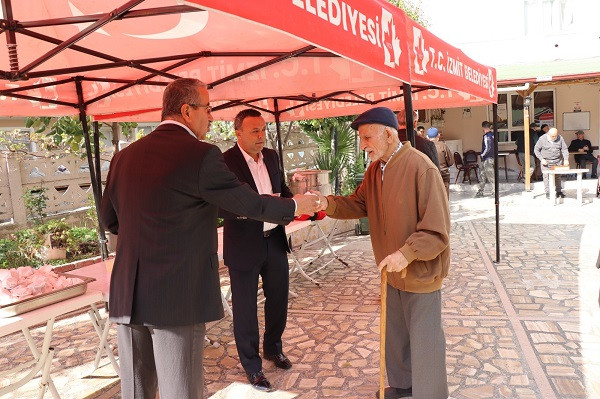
383,164
179,124
248,158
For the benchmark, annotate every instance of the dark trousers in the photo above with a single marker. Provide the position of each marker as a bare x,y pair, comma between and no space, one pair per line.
581,159
274,272
167,358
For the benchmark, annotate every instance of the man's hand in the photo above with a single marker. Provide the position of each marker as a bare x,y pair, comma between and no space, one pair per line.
306,204
395,262
544,162
324,203
585,148
566,162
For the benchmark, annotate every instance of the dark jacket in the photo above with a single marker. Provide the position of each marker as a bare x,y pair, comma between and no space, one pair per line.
577,144
162,198
520,142
425,146
487,146
243,244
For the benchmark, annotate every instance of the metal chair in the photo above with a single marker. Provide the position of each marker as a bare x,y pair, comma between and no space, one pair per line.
466,168
470,157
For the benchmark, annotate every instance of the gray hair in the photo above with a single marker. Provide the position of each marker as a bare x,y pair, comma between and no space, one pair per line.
178,92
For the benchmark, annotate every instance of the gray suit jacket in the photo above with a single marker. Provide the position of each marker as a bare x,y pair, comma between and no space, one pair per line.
162,196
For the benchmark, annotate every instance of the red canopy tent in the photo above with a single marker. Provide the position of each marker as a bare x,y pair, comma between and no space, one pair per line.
293,59
345,56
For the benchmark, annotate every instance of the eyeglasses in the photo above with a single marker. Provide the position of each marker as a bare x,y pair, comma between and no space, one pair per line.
207,107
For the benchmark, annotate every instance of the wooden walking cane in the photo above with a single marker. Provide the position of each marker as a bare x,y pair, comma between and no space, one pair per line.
382,325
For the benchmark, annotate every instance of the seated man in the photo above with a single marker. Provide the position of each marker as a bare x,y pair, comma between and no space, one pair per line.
584,148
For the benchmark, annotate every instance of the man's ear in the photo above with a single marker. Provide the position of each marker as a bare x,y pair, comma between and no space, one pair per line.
185,111
389,134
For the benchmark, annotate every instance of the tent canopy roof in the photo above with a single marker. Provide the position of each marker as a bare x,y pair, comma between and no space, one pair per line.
114,57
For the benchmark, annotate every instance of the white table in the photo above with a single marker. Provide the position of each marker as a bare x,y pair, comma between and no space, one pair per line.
296,255
552,182
99,271
42,359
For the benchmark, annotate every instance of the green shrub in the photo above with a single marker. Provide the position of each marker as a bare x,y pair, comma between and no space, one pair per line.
24,248
81,241
35,202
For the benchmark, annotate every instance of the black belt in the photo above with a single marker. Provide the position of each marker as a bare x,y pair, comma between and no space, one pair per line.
268,233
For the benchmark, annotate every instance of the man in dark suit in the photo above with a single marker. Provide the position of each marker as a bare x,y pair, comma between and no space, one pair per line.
252,248
162,198
422,144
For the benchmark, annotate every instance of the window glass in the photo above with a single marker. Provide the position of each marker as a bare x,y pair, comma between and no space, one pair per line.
516,110
502,112
510,113
543,108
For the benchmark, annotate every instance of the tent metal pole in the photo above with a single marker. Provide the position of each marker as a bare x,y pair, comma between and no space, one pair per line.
278,128
97,156
93,175
496,182
408,109
11,39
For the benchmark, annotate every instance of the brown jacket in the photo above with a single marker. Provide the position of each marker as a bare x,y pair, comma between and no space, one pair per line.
407,211
445,157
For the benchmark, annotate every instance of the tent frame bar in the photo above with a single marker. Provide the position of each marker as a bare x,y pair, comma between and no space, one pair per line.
69,42
95,170
147,12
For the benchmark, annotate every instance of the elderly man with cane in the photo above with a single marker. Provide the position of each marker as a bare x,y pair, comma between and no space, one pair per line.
403,196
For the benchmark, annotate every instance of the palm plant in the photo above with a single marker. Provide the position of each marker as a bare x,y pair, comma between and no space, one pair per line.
336,141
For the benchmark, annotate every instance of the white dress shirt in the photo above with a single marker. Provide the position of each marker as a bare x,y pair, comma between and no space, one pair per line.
260,174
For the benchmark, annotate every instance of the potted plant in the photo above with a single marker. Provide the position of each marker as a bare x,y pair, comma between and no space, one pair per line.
55,239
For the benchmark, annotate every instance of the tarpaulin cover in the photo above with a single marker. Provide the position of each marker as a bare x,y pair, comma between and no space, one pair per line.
317,58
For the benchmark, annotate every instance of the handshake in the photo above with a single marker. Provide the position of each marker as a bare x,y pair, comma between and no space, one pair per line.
310,202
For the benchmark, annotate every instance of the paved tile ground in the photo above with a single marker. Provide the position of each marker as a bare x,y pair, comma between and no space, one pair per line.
527,327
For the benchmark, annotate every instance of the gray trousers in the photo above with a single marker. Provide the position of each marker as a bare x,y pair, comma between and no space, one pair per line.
169,358
557,179
415,351
486,173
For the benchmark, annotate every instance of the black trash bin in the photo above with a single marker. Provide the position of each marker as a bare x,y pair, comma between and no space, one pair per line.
362,225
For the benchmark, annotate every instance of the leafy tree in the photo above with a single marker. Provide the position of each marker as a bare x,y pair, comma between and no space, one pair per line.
412,9
65,133
221,131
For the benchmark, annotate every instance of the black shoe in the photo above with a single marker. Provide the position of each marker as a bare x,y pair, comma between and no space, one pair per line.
560,194
280,360
594,177
479,194
393,393
259,382
547,195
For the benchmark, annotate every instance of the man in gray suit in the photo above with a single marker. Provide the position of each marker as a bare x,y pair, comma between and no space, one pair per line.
162,197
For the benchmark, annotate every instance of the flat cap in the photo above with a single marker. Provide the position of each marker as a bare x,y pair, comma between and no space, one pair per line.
432,132
379,115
